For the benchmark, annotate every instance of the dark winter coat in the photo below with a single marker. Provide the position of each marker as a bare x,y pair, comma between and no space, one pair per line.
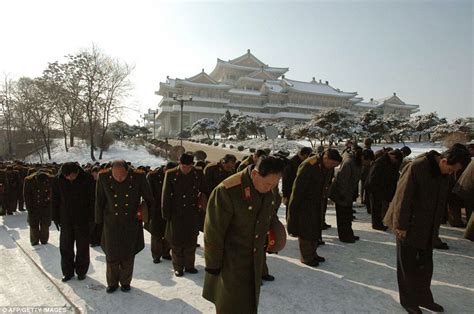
116,207
213,175
235,230
419,202
73,202
346,182
37,194
305,205
155,179
179,206
382,179
289,175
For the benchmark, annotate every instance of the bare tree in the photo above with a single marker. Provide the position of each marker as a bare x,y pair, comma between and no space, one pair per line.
6,98
116,87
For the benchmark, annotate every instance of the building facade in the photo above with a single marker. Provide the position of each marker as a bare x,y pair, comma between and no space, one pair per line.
247,85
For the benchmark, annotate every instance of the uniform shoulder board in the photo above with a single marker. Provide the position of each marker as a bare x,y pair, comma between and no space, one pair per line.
154,171
105,170
31,176
175,169
139,171
233,180
312,160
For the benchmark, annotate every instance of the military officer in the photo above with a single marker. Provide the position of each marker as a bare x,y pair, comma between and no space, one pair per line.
215,173
160,248
252,159
415,215
37,195
3,189
179,206
13,182
239,213
305,206
73,210
118,194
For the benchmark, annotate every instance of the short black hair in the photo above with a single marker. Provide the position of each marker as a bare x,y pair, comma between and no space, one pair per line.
457,155
333,154
171,164
306,151
120,163
368,154
69,167
260,153
406,151
229,157
269,165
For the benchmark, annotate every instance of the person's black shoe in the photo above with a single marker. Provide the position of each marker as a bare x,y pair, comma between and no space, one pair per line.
381,228
67,278
268,277
178,273
413,309
81,277
348,240
45,242
357,238
321,242
94,244
167,257
125,288
354,217
320,259
191,270
442,246
156,260
326,226
313,263
435,307
9,213
198,245
111,289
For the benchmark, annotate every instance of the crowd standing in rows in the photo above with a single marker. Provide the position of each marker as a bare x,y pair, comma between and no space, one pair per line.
235,205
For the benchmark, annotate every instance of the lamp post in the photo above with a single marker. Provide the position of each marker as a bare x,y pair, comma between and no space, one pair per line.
153,113
182,100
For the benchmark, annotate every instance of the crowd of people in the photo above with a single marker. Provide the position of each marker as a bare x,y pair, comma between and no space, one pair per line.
235,204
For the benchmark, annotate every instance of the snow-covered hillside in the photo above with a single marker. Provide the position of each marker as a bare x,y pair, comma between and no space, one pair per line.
137,154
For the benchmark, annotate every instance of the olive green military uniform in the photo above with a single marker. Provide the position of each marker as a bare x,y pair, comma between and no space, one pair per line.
37,195
117,208
246,162
305,206
237,221
159,245
179,208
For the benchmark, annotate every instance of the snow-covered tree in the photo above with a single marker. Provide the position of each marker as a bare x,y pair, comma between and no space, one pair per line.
205,126
337,123
224,124
244,125
397,128
460,125
373,125
424,125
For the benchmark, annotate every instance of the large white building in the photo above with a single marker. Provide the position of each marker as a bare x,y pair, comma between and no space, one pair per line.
249,86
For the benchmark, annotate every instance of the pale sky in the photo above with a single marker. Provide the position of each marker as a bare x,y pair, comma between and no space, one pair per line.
422,50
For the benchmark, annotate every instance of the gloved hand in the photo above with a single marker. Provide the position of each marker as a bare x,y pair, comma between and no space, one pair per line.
213,271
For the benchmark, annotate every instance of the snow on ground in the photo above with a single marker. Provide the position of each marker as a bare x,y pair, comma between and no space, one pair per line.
355,278
129,151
